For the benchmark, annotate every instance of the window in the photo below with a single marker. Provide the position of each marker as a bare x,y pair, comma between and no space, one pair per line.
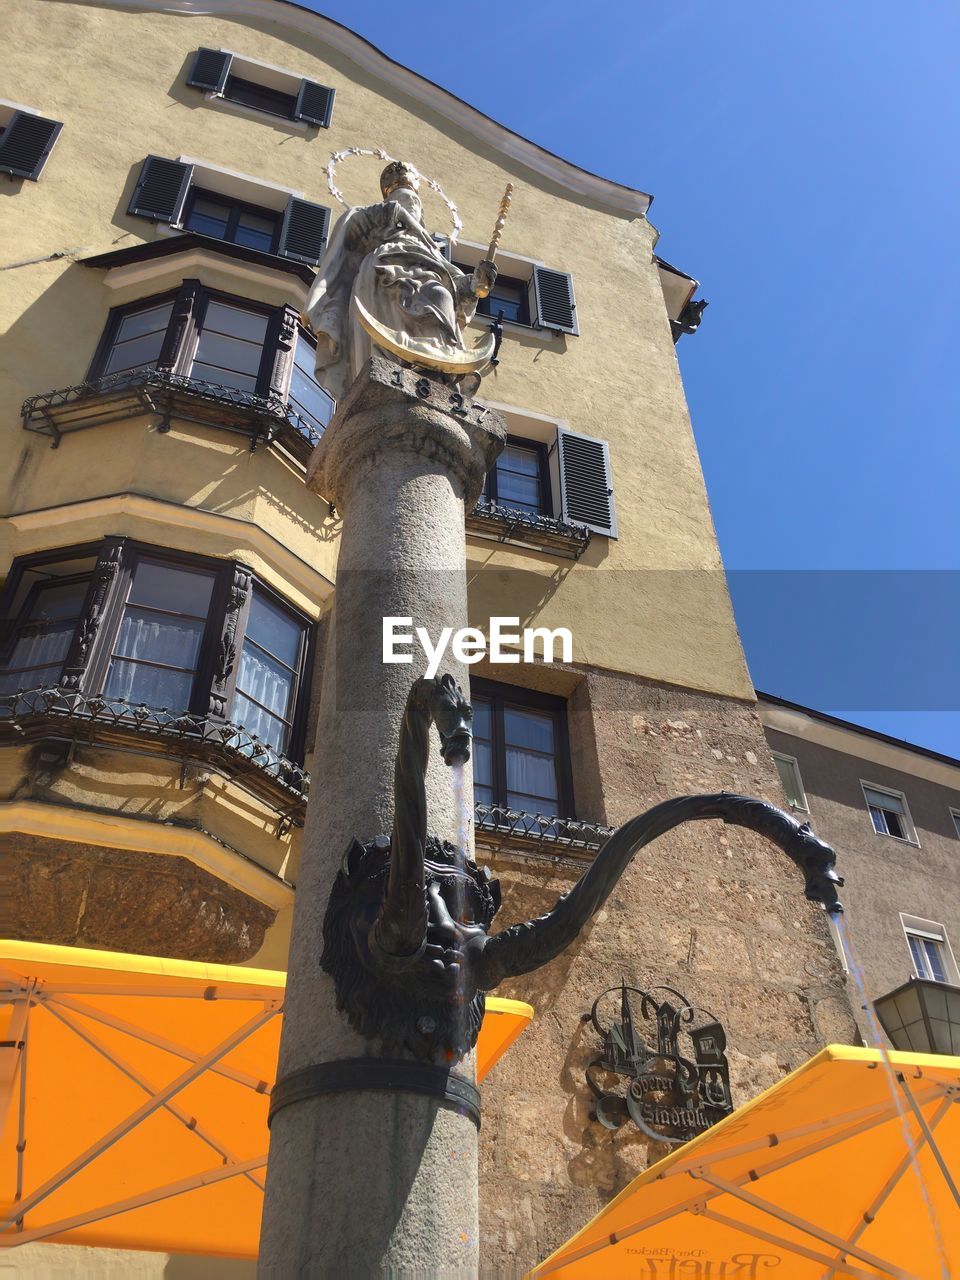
930,951
307,400
888,811
219,341
214,215
174,633
526,292
261,87
26,140
156,651
270,660
192,195
508,296
138,339
273,101
230,347
38,648
519,479
520,754
955,814
789,772
555,487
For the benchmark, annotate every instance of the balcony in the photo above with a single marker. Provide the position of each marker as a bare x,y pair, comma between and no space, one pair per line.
543,533
120,397
72,718
497,827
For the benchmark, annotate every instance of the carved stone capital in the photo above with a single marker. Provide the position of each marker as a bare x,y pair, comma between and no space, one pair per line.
392,410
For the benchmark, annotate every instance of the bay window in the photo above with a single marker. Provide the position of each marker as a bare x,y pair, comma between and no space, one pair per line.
156,652
155,638
270,662
247,353
38,646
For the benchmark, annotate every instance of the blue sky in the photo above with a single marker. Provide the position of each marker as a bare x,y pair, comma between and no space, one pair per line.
804,163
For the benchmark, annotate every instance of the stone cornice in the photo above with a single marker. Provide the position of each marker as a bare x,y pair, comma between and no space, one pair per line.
286,13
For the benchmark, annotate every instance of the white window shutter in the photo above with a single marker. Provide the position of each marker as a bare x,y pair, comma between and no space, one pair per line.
586,489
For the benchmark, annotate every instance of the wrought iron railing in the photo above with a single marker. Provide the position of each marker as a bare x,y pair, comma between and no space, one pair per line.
206,736
547,532
170,395
509,825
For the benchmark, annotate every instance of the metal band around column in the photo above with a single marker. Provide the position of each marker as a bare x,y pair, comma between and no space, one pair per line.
389,1075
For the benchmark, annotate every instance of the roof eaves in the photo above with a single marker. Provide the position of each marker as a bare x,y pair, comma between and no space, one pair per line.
857,728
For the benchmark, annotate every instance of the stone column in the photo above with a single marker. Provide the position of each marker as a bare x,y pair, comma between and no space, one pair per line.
361,1184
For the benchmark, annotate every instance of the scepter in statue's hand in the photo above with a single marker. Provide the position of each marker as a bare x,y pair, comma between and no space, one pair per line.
485,272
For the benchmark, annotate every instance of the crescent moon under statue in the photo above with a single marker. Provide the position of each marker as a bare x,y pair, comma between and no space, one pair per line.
422,351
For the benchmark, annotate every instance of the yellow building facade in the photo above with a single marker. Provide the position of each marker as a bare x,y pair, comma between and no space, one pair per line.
168,571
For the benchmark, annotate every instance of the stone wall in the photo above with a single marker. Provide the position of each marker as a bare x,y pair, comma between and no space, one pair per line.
715,912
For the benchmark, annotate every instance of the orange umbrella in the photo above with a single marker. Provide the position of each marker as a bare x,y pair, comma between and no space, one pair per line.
134,1094
812,1179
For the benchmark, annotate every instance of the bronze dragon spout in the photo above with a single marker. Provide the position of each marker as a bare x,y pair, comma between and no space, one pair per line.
406,932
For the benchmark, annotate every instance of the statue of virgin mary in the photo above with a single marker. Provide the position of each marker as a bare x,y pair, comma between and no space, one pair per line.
384,280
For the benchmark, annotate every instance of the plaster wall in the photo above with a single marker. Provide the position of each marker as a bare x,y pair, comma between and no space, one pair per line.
884,876
618,380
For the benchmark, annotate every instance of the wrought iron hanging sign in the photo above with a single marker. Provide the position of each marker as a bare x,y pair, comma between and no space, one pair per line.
678,1078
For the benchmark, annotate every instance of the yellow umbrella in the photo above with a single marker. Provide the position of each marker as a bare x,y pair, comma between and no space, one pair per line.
134,1094
812,1178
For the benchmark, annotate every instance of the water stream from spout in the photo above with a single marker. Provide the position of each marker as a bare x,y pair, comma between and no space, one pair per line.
876,1041
464,817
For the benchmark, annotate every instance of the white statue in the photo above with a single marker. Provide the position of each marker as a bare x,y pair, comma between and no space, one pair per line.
384,279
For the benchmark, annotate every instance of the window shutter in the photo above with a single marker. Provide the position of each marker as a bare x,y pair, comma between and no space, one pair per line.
552,300
161,189
26,143
314,103
304,232
586,495
210,70
884,800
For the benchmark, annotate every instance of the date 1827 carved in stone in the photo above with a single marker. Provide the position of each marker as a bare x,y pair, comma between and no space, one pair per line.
406,932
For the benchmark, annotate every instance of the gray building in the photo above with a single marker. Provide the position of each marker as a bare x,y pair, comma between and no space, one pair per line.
892,812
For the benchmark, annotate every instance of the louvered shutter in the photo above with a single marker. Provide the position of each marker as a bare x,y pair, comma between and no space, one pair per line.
314,103
161,189
552,300
26,143
443,244
304,232
586,494
210,70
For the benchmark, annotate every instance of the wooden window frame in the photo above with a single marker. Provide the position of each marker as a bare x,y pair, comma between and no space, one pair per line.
236,208
15,623
111,600
546,485
185,327
298,720
485,307
259,90
500,695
